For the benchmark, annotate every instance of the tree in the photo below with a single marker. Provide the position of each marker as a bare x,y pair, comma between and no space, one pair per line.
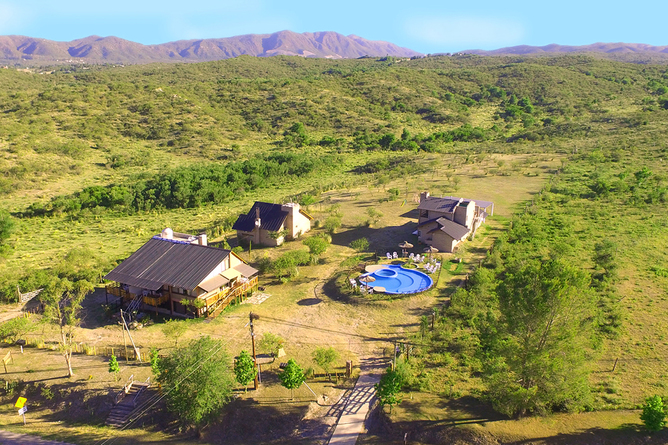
154,359
360,245
324,357
654,413
271,343
292,377
174,329
388,388
536,360
62,300
198,379
113,366
244,369
605,257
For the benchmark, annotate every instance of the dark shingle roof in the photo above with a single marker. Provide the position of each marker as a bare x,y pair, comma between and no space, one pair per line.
453,229
272,217
445,205
174,263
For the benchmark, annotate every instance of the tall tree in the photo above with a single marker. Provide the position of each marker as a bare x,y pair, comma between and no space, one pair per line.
198,381
292,377
244,369
62,300
536,362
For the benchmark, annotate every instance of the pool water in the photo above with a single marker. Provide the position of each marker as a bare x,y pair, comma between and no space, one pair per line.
397,280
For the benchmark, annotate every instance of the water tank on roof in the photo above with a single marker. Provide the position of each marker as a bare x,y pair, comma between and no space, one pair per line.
167,233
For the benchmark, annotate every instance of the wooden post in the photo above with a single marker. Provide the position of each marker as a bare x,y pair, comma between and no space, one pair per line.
251,316
615,365
171,302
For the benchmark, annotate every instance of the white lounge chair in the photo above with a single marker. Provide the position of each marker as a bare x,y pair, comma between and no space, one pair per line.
411,256
389,255
394,255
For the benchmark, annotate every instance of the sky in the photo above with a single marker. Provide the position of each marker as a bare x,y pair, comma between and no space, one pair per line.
427,26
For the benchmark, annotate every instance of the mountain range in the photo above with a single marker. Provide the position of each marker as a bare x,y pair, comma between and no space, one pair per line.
94,49
606,48
23,50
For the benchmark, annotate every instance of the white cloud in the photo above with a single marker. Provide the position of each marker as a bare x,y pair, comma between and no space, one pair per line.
463,30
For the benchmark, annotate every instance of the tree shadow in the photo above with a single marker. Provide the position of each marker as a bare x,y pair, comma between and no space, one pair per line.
247,421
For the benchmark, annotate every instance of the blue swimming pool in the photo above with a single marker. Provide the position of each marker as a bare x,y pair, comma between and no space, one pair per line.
397,280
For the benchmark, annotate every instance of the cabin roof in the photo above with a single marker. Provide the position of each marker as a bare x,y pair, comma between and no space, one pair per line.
445,205
272,217
451,228
161,261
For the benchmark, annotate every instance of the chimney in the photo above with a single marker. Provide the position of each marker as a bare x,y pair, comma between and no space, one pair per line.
423,196
290,222
257,217
201,239
167,233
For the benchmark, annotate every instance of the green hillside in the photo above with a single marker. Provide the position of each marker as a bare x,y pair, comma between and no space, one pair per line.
97,159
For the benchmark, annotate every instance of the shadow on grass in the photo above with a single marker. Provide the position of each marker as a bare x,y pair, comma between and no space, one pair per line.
629,434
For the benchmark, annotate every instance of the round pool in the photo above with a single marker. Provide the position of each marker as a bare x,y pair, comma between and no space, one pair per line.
397,280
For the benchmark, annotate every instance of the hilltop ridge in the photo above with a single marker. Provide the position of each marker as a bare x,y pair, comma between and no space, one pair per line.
96,49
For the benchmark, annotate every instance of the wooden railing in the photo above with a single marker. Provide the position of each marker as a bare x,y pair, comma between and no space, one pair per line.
120,292
126,389
230,295
156,300
223,298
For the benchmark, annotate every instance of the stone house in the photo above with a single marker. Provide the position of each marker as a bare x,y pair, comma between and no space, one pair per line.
446,222
269,224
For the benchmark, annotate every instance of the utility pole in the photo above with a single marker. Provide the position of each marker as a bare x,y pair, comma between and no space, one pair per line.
251,317
125,343
394,360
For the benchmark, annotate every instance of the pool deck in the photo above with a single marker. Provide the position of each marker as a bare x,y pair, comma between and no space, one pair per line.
371,268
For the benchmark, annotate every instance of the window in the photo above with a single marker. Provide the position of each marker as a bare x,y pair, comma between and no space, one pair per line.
424,213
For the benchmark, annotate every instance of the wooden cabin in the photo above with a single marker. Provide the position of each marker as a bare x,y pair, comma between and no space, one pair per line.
180,275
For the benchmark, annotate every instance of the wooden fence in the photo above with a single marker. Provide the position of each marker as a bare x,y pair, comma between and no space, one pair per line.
120,352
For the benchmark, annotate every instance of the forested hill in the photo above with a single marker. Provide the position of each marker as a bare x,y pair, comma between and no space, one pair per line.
93,49
65,129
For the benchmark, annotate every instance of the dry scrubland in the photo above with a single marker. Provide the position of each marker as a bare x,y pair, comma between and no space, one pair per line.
568,150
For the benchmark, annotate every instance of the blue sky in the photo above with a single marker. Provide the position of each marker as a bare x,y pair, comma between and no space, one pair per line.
427,26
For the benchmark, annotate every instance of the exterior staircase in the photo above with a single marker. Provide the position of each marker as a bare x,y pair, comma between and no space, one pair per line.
126,403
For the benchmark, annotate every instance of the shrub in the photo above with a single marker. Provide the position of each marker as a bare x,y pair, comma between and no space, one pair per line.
332,223
360,245
654,413
317,245
270,343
